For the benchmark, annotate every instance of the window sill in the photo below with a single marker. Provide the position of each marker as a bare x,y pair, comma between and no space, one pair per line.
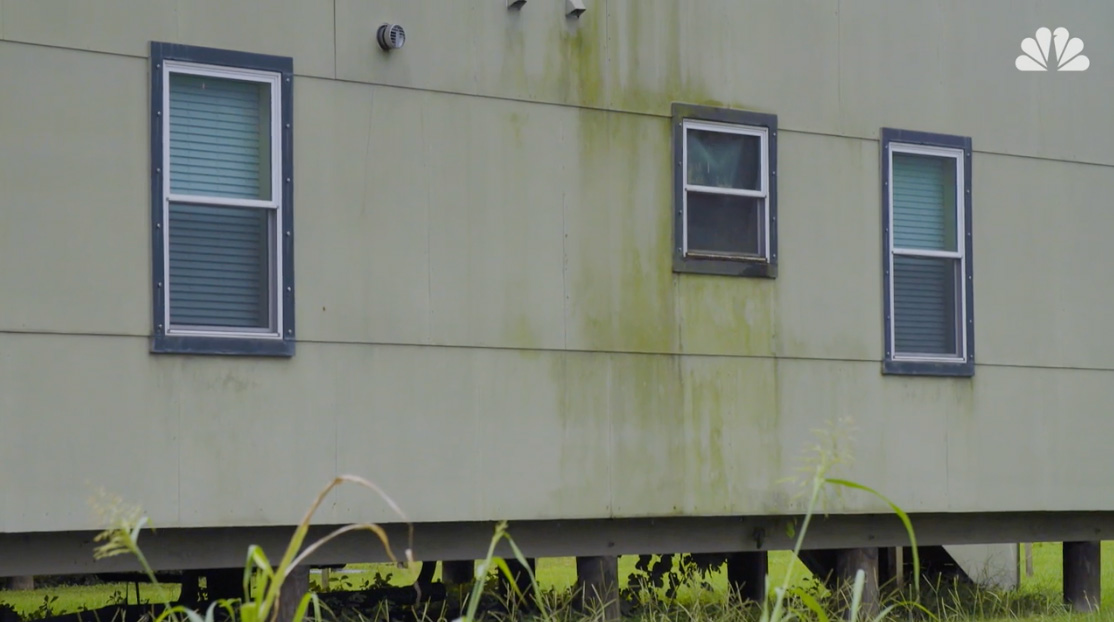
964,369
227,346
758,268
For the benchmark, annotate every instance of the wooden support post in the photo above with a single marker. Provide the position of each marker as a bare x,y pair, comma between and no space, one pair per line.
887,568
1082,575
746,575
597,586
1028,559
899,566
326,579
848,563
457,572
293,589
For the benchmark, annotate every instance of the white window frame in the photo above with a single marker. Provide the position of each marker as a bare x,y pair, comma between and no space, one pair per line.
275,311
762,193
960,253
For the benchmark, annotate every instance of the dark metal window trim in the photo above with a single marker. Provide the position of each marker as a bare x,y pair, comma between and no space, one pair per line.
181,344
708,265
965,368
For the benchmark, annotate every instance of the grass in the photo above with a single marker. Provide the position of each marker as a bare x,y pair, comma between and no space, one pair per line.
560,573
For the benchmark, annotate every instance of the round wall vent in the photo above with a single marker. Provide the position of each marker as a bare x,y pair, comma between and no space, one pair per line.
391,36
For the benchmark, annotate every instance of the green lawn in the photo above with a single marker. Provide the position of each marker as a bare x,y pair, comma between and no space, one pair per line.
558,573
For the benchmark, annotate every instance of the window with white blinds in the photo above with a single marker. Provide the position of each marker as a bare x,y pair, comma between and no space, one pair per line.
221,145
927,246
221,219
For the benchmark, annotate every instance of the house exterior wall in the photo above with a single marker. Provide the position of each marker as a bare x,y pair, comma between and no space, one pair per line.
488,321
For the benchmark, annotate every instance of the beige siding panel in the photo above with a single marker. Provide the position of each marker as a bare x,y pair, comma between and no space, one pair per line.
1032,430
429,217
84,414
302,29
538,459
470,434
361,213
410,425
75,210
729,413
949,67
648,454
495,183
829,286
258,436
127,28
485,434
1043,287
1011,439
619,241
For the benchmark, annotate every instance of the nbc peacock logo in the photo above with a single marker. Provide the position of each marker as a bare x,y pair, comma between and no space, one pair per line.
1067,48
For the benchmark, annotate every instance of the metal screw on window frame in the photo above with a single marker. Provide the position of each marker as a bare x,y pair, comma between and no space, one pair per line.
160,284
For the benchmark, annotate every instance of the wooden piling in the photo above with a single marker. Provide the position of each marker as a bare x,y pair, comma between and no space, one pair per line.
848,563
1082,575
293,589
746,575
457,572
597,586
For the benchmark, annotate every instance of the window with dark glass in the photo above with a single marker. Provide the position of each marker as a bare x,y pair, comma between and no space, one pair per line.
725,191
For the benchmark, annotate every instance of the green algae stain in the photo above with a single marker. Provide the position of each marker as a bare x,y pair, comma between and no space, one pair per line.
730,429
620,227
517,122
648,444
727,315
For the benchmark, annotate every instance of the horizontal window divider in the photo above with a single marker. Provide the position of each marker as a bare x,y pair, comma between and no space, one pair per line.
928,254
724,256
208,201
738,192
906,358
213,332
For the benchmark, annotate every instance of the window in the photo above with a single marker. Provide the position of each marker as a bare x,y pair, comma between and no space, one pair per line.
222,208
725,191
926,226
